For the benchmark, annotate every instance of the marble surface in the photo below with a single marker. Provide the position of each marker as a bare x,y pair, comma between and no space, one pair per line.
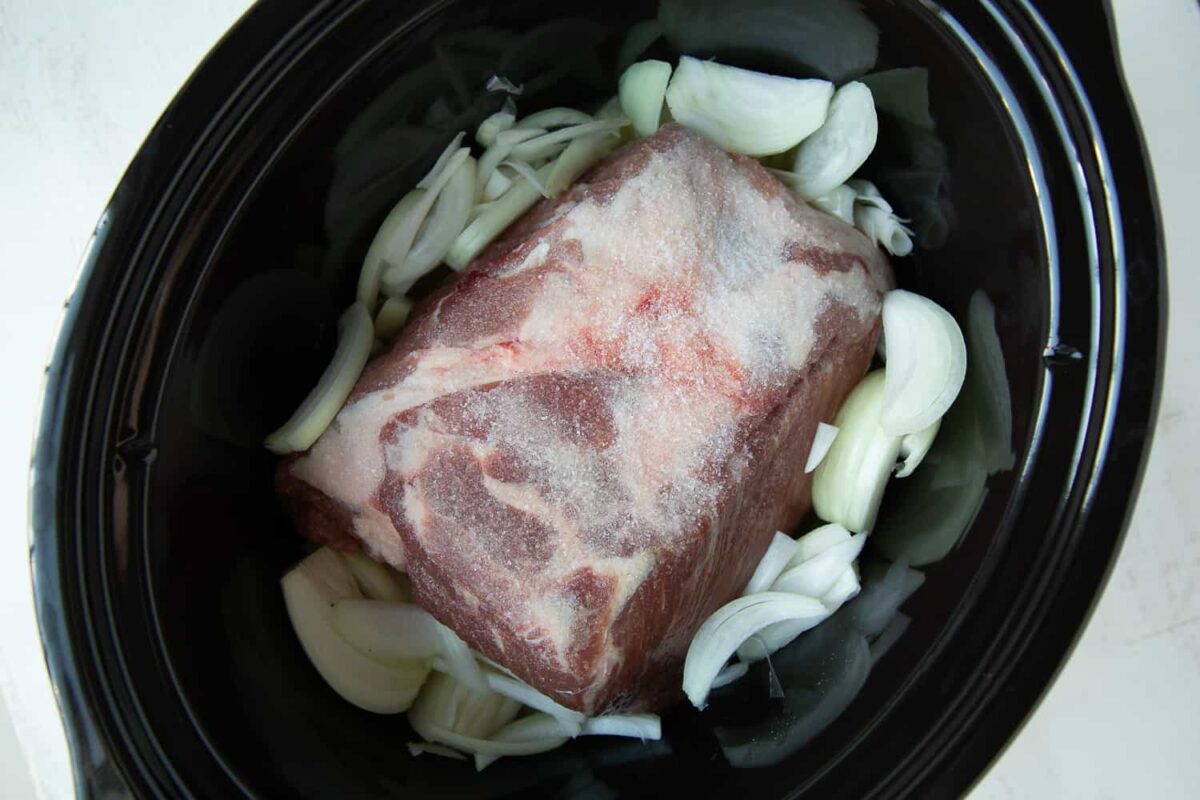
81,83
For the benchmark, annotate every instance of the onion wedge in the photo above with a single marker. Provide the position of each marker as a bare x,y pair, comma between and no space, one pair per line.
554,118
491,223
388,631
392,316
822,441
356,334
744,111
526,695
580,156
376,581
551,143
445,222
914,447
730,626
840,146
643,88
773,562
647,727
926,362
496,124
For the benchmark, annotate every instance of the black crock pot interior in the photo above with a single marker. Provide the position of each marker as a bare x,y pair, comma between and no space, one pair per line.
207,308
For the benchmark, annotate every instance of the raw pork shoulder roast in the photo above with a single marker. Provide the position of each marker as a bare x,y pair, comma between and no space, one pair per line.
581,448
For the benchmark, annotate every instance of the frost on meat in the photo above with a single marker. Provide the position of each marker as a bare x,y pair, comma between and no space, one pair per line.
581,449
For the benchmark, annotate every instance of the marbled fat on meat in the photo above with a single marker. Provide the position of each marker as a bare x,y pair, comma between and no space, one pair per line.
581,449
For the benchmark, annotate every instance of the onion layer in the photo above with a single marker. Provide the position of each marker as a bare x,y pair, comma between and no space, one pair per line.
643,87
926,362
822,441
840,146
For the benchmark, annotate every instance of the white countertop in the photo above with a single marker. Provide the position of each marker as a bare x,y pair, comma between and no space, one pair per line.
82,82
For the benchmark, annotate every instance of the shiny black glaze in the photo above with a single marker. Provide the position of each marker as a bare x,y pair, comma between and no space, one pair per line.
157,544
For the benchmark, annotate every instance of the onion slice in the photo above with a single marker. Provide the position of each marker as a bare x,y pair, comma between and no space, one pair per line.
445,222
822,441
848,485
526,695
840,146
744,111
926,362
915,446
816,576
647,727
838,202
559,117
581,154
378,582
310,591
491,223
442,161
458,661
499,83
730,626
446,705
496,124
501,150
773,562
551,143
642,90
388,631
419,748
356,334
536,733
730,673
528,173
392,316
884,228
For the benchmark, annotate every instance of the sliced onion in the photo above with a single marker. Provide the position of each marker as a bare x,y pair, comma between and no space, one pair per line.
536,733
377,581
554,118
839,202
528,173
457,660
884,228
501,150
399,230
915,446
446,221
773,562
777,636
388,631
843,589
526,695
822,441
498,83
816,576
442,161
497,184
446,705
849,483
550,144
647,727
491,223
926,362
730,626
840,146
642,90
988,376
730,673
580,156
392,316
310,591
496,124
867,193
356,334
419,748
882,595
744,111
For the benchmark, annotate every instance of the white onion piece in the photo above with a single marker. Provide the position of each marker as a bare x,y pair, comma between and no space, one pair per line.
817,575
528,173
446,705
773,562
838,202
550,144
356,334
554,118
506,141
744,111
419,748
647,727
822,441
496,124
388,631
536,733
840,146
880,598
392,316
497,184
377,581
399,230
848,485
884,228
445,222
842,590
867,193
915,446
526,695
926,362
818,540
642,90
442,160
580,156
730,626
310,590
499,83
458,660
730,673
491,223
777,636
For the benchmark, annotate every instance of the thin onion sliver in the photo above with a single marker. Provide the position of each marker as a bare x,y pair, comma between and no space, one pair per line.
773,562
822,441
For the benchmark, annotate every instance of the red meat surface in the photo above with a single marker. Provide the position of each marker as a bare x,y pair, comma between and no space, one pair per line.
581,448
